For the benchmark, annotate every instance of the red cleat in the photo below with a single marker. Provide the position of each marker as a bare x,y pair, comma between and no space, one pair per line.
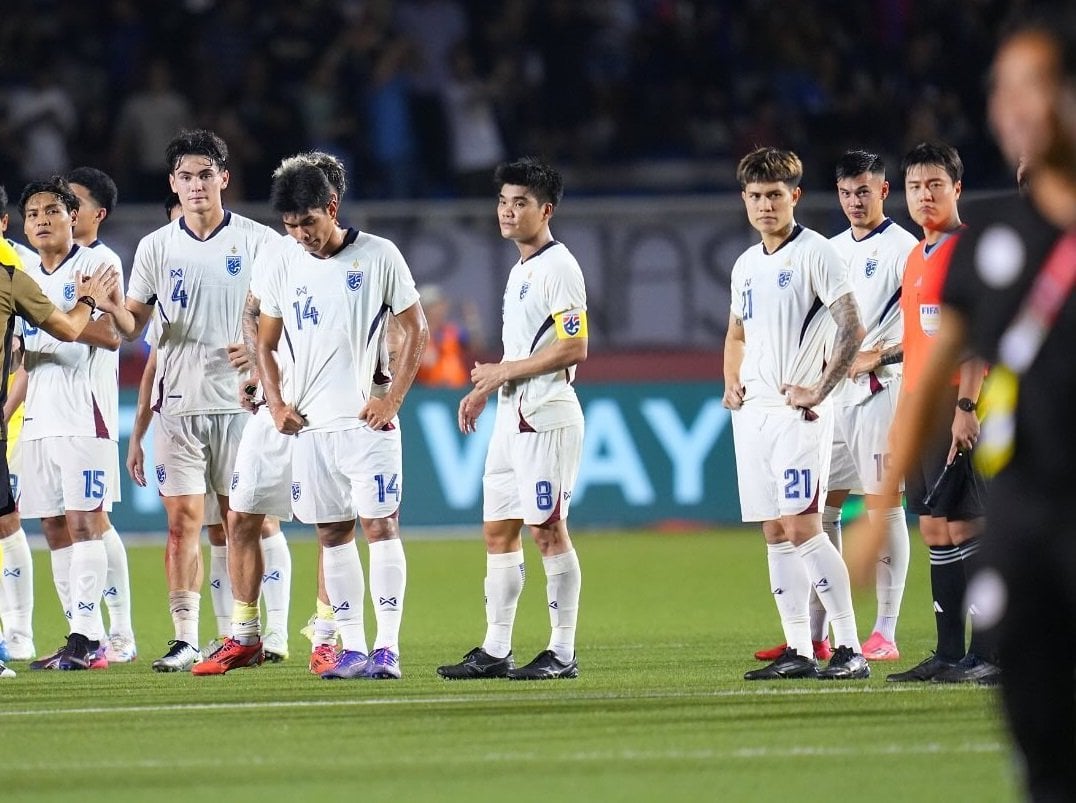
230,655
323,658
822,652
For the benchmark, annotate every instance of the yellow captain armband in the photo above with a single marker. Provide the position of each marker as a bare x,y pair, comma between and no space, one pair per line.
571,325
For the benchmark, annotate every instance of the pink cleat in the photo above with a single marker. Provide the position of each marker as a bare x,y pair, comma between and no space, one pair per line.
822,651
879,648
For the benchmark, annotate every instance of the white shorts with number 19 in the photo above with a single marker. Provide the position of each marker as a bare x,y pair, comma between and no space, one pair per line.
261,481
861,442
337,476
530,475
782,461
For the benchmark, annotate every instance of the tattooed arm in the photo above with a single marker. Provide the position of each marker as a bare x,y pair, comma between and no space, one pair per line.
249,324
872,359
845,346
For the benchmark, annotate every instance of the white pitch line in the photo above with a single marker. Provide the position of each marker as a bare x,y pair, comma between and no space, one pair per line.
472,699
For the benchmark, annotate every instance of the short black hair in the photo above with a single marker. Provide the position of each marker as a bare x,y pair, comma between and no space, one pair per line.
856,163
328,164
541,179
299,186
56,185
170,203
765,165
101,186
939,154
196,142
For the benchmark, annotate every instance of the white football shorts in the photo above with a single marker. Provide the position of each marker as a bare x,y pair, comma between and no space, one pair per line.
782,461
70,473
861,442
337,476
261,481
196,453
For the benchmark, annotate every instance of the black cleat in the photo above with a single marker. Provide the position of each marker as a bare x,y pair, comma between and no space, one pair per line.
790,665
923,671
970,669
478,664
78,653
846,665
545,666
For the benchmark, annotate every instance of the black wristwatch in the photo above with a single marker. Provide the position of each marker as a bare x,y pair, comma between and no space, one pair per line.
966,404
88,301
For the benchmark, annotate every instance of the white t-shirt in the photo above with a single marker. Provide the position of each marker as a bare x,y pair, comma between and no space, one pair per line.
875,271
547,284
335,312
26,255
199,287
73,388
783,299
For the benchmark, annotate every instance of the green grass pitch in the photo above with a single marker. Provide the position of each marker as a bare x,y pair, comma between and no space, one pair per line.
668,624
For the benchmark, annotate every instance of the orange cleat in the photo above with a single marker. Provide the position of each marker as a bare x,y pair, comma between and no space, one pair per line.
822,652
230,655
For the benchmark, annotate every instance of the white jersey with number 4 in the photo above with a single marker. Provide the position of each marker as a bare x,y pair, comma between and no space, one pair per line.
545,298
875,271
73,388
199,287
783,299
335,312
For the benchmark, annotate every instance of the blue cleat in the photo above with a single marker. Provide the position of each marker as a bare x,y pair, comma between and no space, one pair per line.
351,664
4,654
384,664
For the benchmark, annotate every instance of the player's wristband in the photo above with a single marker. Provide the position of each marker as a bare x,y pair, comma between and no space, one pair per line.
88,301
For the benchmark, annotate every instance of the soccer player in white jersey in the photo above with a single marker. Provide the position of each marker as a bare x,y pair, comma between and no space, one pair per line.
70,432
195,271
17,573
331,301
777,383
97,197
533,457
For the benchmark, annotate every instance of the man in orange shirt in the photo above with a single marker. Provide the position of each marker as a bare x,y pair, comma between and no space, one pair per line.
941,487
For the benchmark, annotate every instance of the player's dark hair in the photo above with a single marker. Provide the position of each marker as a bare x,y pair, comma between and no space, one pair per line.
170,203
196,142
765,165
541,179
299,187
57,186
938,154
856,163
328,164
101,186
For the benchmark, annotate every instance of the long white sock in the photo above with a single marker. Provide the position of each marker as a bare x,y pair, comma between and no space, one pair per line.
791,590
505,574
892,570
185,607
17,586
117,585
89,563
563,581
346,588
831,526
276,583
388,581
220,589
829,576
61,577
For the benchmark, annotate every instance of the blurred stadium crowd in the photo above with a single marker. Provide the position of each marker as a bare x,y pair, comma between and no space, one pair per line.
423,97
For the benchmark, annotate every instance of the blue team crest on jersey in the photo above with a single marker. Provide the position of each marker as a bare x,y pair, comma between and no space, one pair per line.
872,266
784,278
296,491
233,263
523,290
571,323
69,291
354,279
162,475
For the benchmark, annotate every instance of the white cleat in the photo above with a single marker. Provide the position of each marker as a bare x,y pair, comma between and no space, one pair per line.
20,647
5,672
180,657
120,649
275,647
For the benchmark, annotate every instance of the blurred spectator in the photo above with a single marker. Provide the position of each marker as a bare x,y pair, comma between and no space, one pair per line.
449,354
474,135
40,118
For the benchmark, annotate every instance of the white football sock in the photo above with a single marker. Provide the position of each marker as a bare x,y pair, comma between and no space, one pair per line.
89,563
503,584
829,576
276,583
346,588
220,589
892,570
17,586
563,581
388,581
117,591
184,607
61,577
831,526
791,590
